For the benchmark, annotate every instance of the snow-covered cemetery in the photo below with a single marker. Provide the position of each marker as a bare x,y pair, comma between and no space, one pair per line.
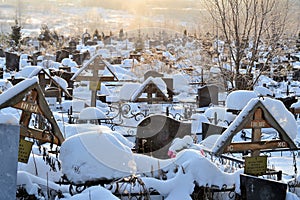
151,113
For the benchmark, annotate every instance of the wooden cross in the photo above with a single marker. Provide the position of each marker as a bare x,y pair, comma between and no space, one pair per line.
256,124
95,80
29,106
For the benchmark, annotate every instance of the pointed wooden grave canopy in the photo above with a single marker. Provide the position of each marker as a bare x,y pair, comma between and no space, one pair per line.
28,97
259,113
154,88
90,71
96,64
42,74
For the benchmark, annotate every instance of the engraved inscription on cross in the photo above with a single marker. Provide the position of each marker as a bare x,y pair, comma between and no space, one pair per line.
257,124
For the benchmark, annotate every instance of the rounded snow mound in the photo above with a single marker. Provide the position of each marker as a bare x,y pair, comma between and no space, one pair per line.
95,155
263,91
91,113
238,99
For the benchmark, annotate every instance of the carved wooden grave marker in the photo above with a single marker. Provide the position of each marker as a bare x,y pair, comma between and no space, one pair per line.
94,66
255,116
28,97
153,93
258,117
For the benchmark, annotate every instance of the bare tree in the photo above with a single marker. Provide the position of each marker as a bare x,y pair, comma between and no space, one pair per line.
246,26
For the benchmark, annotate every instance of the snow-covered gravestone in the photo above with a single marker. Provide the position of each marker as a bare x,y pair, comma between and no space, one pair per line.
207,95
9,145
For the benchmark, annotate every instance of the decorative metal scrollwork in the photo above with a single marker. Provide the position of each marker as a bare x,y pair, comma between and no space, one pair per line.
177,116
131,187
124,111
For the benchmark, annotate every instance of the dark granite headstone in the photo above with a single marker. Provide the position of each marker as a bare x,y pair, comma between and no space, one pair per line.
2,53
262,189
12,61
156,133
1,73
153,74
207,95
211,129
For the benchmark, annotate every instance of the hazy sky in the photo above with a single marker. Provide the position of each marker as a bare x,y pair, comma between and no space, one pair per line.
78,15
127,13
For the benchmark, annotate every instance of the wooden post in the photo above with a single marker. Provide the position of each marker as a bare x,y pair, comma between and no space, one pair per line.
26,114
256,130
94,89
95,79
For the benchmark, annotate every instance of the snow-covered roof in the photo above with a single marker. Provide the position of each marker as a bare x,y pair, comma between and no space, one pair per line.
61,82
91,113
161,85
17,93
296,105
58,81
274,111
15,90
90,61
30,71
263,91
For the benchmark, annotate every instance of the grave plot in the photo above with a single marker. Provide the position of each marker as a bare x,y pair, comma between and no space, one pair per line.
259,114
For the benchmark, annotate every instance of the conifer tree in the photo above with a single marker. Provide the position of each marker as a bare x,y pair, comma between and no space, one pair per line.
121,34
16,33
96,35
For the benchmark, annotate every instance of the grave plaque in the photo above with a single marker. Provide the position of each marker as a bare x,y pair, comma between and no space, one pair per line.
24,150
95,85
9,143
256,165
